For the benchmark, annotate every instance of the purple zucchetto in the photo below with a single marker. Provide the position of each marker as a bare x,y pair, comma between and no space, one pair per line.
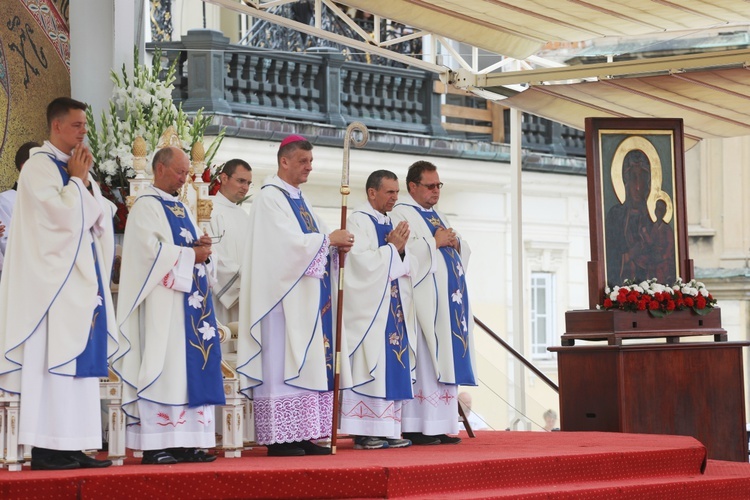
290,139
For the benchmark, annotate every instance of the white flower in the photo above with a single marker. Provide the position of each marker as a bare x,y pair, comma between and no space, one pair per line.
607,290
196,300
185,233
201,269
460,269
207,330
457,296
99,300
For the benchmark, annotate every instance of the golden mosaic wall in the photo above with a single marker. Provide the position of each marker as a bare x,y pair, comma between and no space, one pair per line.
34,69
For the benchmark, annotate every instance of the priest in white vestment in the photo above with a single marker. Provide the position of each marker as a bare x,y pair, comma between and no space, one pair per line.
169,357
57,318
229,225
378,319
287,308
8,199
445,344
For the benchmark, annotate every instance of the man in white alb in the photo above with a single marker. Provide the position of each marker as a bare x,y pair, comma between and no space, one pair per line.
57,322
229,226
169,357
378,320
445,342
8,199
287,307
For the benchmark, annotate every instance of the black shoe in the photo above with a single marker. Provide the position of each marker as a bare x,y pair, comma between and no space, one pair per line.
158,457
311,448
445,439
190,455
55,461
285,450
86,462
417,438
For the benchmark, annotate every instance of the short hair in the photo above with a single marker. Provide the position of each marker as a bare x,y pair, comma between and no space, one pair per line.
417,169
230,167
550,414
163,156
376,179
59,107
290,148
23,153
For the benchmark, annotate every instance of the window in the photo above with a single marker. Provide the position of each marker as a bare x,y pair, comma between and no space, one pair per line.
542,314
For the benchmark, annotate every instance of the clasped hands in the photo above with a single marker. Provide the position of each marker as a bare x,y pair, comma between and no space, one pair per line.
446,238
80,162
399,236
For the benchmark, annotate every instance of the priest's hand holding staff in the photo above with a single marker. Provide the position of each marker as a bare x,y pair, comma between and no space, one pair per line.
342,239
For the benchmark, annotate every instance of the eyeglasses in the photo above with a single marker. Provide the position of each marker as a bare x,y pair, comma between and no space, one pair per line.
242,182
216,239
439,185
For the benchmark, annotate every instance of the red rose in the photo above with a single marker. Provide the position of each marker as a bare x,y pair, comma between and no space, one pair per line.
700,302
206,175
641,305
670,305
607,303
653,305
689,301
633,296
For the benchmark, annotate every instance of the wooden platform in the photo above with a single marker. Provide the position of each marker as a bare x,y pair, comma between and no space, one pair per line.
692,388
496,464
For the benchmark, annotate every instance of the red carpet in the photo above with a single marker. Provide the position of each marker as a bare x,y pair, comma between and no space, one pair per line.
493,465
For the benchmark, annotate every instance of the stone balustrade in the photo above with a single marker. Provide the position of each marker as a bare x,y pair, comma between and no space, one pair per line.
322,87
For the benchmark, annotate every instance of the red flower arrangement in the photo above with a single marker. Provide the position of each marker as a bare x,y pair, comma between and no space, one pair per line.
659,300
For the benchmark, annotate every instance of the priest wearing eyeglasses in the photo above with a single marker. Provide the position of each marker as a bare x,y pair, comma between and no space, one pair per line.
445,343
229,222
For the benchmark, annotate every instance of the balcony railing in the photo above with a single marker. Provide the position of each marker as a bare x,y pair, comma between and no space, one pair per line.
323,87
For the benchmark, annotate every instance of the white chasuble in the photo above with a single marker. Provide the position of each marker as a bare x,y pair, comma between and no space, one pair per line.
60,244
380,328
156,275
282,351
433,298
440,359
229,222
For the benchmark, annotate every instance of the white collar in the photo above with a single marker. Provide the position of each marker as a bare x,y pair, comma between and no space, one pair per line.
380,217
164,194
294,192
56,152
408,200
223,200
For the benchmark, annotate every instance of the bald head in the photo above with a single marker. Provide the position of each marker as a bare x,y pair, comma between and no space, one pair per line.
171,167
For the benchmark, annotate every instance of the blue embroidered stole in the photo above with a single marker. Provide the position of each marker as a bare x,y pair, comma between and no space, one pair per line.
308,225
202,348
92,362
397,367
458,303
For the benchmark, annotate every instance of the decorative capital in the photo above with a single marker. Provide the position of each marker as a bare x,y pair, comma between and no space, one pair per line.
205,207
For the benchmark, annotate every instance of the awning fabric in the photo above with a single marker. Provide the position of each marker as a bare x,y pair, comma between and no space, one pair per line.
520,28
711,103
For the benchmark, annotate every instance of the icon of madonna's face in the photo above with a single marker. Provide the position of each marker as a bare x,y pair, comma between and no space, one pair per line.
637,175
